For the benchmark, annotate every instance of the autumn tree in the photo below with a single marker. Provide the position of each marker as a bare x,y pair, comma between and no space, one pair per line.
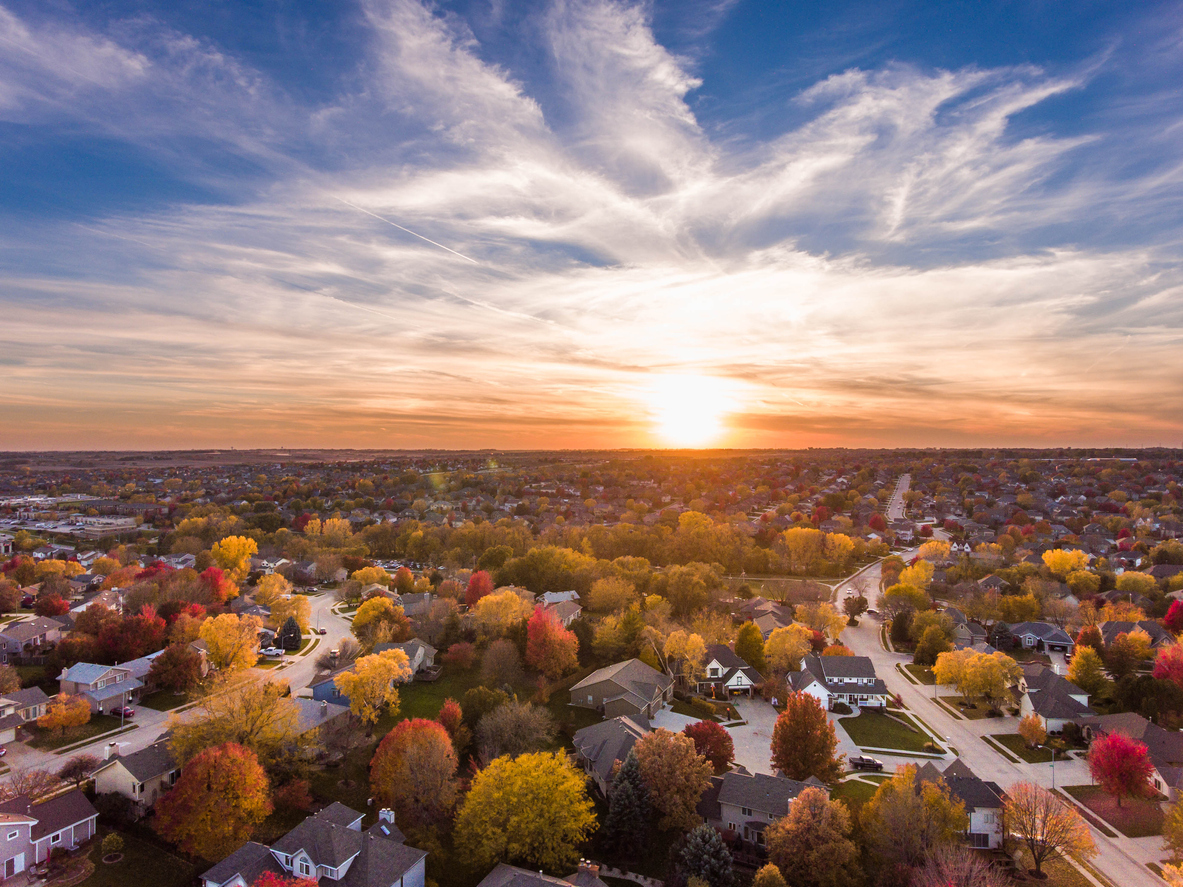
684,654
261,717
786,647
232,641
501,664
903,598
499,612
221,796
931,645
78,769
1087,671
769,876
629,812
1062,562
812,847
821,616
370,685
1048,827
233,556
177,669
550,648
271,588
713,742
803,546
1168,664
854,607
1032,730
51,605
10,679
804,742
514,729
611,595
379,620
65,711
297,607
749,646
956,866
1121,766
270,879
675,774
414,772
532,810
480,585
703,856
907,819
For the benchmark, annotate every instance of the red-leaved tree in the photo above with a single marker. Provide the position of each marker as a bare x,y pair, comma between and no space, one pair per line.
51,605
1168,665
713,742
1090,636
550,648
414,770
1121,766
215,584
479,585
1174,618
451,716
270,879
803,741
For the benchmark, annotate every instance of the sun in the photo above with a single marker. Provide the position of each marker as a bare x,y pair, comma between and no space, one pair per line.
688,410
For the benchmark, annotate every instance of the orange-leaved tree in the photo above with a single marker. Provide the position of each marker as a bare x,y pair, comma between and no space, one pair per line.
414,771
803,740
550,648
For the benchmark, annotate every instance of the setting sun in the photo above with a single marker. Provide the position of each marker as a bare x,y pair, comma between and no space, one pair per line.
688,411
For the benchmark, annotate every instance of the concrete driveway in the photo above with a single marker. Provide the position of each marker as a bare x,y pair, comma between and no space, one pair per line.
672,721
753,740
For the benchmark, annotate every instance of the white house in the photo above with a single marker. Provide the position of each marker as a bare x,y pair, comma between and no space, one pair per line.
725,673
847,679
983,802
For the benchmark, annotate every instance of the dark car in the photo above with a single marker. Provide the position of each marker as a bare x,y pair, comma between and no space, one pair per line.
27,602
322,631
125,712
861,762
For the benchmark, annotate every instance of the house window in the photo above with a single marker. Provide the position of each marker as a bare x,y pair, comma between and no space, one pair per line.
746,811
979,840
305,868
987,817
731,826
56,839
12,836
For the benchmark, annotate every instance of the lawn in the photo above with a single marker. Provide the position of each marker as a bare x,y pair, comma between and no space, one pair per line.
164,700
921,673
1060,873
348,783
1135,818
855,794
871,729
48,741
142,863
1017,745
975,711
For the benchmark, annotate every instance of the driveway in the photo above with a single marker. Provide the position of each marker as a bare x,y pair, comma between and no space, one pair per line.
672,721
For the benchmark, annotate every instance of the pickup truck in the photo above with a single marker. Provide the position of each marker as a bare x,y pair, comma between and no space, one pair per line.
861,762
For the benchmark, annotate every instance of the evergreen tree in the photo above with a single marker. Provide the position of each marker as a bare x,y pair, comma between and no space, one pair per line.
704,855
289,635
629,811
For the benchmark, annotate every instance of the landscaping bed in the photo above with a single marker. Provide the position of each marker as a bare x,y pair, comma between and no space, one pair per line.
1135,818
872,729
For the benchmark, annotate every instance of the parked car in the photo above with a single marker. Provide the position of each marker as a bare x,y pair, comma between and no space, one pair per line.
861,762
124,712
322,631
3,751
273,651
27,602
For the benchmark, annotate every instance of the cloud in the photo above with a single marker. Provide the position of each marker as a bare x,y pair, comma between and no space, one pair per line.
900,265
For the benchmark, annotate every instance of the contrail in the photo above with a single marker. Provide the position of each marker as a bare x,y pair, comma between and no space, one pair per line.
408,230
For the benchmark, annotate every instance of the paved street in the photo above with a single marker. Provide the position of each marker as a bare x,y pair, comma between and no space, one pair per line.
1122,860
895,507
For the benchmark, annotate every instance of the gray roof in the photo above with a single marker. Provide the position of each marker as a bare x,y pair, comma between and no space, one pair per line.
147,763
250,860
632,676
311,714
380,862
26,631
112,690
53,815
338,814
28,697
512,876
609,741
326,842
768,794
973,792
846,667
85,672
1158,635
1045,631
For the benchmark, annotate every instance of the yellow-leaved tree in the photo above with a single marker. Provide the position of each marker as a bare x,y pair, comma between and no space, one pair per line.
233,554
786,647
532,810
1061,561
919,575
500,611
295,606
371,576
821,616
371,685
232,641
684,653
270,589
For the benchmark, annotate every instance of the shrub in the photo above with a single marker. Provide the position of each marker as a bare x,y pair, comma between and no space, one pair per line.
114,809
841,708
112,844
462,655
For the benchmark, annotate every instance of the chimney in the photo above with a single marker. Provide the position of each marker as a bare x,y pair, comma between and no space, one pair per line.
589,867
324,709
111,751
386,815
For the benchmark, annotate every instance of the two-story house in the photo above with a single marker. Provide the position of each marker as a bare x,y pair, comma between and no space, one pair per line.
29,832
601,746
28,638
19,707
1053,697
329,847
141,776
106,687
983,802
725,673
627,688
745,804
847,679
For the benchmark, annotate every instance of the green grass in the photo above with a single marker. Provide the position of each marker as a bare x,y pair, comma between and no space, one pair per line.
922,673
874,730
48,740
164,700
34,676
977,712
1017,745
1135,818
855,794
349,783
142,863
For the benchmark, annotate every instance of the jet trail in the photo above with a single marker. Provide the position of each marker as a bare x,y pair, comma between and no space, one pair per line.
408,230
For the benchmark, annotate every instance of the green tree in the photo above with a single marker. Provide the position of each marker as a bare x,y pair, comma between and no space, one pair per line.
703,855
533,810
626,828
749,646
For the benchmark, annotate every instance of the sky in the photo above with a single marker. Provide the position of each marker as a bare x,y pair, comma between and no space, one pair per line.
590,223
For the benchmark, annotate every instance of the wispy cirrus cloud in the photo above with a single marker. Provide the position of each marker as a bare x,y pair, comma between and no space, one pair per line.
901,264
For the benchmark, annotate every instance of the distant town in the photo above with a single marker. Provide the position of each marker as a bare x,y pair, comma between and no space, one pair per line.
507,669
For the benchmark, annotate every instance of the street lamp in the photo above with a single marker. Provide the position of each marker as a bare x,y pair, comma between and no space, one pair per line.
1052,749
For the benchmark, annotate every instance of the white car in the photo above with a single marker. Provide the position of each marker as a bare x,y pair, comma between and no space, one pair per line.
273,651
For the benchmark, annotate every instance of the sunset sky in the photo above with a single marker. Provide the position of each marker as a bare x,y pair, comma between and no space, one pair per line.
584,224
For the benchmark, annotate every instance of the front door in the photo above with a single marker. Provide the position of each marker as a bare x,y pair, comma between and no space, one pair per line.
14,866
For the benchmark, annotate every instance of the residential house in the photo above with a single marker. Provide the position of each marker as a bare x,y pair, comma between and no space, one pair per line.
1159,636
599,747
505,875
142,776
725,673
1053,697
313,714
324,688
1042,636
965,633
6,545
745,804
847,679
32,831
420,655
983,801
1164,747
19,707
106,687
626,688
28,638
417,605
330,848
557,597
564,611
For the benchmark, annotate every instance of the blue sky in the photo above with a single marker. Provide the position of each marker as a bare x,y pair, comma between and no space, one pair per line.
482,223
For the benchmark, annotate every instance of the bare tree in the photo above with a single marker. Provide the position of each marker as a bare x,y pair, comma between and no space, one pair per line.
514,729
501,665
1048,827
347,653
78,769
957,866
33,783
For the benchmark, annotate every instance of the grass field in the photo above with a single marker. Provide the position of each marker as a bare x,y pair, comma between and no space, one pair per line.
48,741
1135,818
921,673
164,700
977,710
1017,745
142,863
855,794
874,730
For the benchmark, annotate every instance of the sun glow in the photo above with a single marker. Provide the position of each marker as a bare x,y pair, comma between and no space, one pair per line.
688,411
